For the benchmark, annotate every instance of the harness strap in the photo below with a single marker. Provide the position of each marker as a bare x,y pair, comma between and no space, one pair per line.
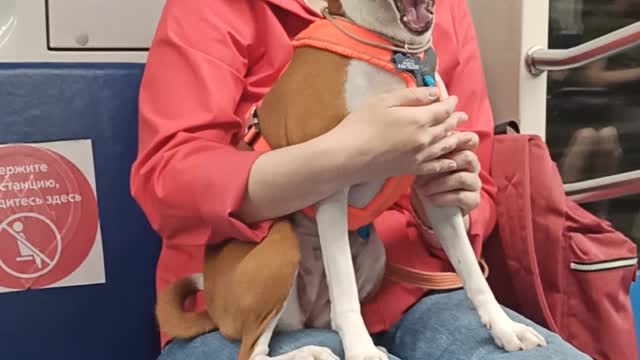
428,280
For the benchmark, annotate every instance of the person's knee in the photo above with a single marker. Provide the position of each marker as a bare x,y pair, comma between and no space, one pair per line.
289,341
440,309
205,347
586,134
446,326
609,139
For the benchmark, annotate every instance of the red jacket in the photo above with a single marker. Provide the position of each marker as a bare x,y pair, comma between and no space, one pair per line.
209,62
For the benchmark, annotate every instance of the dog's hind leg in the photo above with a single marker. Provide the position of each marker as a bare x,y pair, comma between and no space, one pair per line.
449,228
346,319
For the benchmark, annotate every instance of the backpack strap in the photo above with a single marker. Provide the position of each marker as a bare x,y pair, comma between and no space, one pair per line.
513,176
503,128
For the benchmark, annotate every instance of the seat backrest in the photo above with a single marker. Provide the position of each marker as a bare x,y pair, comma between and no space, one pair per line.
635,303
114,320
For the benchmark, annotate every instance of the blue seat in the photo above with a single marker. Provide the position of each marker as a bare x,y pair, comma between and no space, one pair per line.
111,321
635,303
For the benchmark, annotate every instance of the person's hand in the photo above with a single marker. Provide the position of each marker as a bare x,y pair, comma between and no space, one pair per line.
400,133
459,188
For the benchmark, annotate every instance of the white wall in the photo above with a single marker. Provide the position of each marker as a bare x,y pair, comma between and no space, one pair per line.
121,28
506,30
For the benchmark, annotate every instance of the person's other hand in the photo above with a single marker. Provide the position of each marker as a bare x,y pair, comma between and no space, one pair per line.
458,188
402,132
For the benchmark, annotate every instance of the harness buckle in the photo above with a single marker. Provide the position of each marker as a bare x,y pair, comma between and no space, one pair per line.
252,133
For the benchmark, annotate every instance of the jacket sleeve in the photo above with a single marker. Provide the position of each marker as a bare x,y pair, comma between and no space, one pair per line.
466,81
188,174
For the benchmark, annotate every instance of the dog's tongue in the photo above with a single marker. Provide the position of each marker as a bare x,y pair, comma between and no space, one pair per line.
416,13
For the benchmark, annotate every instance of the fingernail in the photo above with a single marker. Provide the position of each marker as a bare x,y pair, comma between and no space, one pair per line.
433,93
451,165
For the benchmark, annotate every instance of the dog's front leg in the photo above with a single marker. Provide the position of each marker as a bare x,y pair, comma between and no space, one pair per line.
346,318
449,227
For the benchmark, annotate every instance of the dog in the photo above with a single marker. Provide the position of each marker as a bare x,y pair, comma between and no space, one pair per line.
316,266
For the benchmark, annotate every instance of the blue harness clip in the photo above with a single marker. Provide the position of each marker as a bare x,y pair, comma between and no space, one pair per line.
364,232
428,80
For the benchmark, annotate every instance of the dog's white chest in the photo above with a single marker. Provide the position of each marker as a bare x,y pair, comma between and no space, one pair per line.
365,80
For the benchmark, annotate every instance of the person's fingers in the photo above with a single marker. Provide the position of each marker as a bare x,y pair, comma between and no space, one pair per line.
437,166
452,182
445,146
465,159
436,133
465,200
418,96
428,115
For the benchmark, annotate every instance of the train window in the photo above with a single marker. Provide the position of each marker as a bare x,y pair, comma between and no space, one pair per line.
593,112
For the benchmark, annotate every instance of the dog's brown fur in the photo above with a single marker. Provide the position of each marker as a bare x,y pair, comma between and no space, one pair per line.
335,7
295,111
245,286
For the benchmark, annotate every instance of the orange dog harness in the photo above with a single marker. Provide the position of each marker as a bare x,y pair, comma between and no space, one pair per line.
415,71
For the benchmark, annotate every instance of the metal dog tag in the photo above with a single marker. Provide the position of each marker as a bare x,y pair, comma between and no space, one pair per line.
407,62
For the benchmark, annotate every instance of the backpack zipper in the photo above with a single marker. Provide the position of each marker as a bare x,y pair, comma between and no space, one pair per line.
604,265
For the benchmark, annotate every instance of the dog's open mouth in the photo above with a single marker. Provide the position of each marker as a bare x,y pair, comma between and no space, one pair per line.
416,15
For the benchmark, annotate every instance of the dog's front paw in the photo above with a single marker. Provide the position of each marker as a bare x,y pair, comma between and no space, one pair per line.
516,337
356,341
510,335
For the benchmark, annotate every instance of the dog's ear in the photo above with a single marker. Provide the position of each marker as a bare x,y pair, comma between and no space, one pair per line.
335,7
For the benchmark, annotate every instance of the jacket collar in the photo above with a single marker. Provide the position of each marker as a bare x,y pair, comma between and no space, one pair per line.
297,7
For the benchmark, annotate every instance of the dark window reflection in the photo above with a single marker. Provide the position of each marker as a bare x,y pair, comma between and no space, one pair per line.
593,113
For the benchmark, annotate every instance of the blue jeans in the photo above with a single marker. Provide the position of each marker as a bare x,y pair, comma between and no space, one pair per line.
440,326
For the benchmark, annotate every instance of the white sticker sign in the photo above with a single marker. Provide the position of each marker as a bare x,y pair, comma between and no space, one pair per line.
49,225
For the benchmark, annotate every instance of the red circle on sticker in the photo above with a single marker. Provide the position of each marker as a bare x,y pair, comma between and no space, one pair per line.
48,217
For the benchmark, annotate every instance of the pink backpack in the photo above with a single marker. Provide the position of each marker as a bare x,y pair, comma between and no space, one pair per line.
553,261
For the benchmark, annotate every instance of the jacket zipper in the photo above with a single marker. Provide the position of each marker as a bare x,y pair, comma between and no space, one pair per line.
604,265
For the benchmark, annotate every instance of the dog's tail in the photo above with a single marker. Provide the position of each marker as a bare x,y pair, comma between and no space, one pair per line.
173,320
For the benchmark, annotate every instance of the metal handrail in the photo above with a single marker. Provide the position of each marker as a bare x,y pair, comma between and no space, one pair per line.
540,60
604,188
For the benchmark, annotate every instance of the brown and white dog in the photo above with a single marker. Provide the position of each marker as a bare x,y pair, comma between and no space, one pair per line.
314,272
